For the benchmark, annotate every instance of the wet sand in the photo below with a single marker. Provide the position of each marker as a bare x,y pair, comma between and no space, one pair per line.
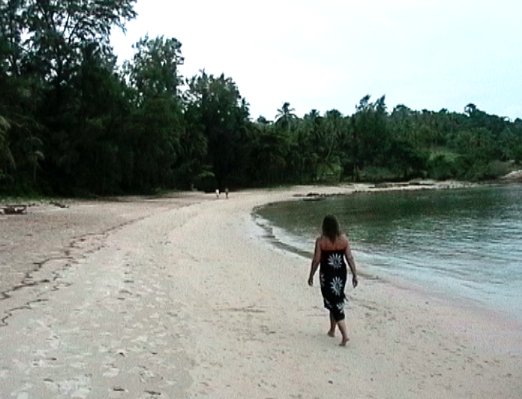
182,297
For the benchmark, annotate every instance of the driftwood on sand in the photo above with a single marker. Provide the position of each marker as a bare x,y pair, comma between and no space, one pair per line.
13,209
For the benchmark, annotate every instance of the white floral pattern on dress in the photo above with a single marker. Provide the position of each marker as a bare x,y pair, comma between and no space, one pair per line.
335,260
321,279
336,285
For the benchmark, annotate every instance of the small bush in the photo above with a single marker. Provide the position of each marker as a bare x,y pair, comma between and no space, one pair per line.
206,181
440,167
376,174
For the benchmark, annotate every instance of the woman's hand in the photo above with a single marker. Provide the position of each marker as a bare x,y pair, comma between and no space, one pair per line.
354,281
311,281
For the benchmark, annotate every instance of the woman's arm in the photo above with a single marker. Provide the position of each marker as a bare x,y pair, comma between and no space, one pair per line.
315,261
351,263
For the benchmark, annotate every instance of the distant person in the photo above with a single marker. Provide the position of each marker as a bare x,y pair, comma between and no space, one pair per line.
226,192
217,192
331,250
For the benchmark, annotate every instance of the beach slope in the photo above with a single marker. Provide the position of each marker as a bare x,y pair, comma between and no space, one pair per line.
188,300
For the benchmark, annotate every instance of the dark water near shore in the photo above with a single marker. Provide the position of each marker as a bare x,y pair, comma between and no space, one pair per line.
465,243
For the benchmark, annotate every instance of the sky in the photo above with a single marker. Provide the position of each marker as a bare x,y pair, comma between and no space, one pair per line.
328,54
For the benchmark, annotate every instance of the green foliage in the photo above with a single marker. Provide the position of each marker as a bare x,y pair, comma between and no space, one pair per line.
285,116
376,174
269,153
329,172
441,167
496,169
57,31
206,181
72,122
483,170
6,157
214,104
516,153
154,68
371,131
155,126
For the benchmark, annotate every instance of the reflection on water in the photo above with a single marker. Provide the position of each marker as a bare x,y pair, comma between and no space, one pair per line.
467,242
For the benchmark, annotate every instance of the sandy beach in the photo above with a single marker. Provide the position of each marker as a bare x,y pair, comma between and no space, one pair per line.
182,297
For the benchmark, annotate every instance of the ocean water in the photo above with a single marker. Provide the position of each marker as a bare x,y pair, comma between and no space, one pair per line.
464,243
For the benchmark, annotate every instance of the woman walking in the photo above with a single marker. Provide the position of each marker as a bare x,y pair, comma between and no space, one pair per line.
331,250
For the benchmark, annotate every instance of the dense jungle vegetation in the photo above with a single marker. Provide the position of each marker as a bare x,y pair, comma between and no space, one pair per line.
74,122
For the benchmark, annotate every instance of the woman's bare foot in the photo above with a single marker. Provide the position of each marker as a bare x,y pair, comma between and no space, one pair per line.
331,333
344,341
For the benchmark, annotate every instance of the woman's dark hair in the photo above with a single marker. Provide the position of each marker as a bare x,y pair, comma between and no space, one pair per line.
331,227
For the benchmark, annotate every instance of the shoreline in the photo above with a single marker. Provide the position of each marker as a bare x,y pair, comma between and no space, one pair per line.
282,239
188,300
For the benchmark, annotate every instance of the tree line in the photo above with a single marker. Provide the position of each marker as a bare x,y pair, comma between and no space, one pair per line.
74,122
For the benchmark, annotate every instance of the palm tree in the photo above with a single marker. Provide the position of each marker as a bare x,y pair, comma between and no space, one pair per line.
6,157
33,146
285,116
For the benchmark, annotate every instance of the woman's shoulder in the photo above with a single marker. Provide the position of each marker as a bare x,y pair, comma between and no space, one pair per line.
339,244
342,242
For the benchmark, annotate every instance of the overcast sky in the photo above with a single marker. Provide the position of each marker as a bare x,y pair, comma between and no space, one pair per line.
328,54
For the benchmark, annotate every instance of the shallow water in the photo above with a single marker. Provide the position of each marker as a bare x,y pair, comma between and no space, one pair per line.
466,243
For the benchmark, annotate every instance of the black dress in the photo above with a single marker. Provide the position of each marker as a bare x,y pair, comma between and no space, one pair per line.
332,276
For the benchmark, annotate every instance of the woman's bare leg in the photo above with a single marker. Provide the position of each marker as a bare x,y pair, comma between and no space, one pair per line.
344,333
333,324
